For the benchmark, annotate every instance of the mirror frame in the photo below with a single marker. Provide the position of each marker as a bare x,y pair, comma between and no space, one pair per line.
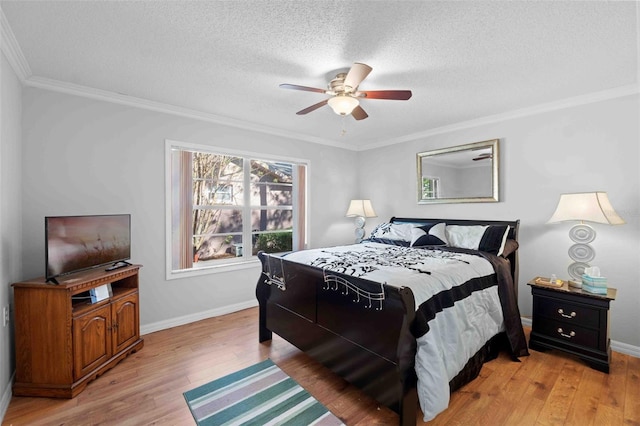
492,143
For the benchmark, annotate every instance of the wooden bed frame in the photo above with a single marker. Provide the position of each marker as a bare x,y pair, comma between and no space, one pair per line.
369,345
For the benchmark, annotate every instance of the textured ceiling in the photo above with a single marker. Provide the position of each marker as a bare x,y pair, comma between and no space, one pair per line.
462,60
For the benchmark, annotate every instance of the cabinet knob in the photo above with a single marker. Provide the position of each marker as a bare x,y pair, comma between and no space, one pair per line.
563,334
571,315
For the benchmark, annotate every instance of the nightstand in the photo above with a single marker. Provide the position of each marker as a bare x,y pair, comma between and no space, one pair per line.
572,320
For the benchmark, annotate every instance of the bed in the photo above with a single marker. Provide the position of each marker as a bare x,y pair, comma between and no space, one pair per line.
401,316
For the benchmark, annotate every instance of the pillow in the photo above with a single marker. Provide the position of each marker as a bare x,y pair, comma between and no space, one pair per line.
431,235
489,238
393,231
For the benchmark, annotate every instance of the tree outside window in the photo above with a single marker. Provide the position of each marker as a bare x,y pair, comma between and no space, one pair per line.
226,208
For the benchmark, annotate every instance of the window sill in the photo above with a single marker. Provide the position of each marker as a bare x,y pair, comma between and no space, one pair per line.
254,263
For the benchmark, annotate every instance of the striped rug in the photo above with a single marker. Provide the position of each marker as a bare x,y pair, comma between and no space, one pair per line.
258,395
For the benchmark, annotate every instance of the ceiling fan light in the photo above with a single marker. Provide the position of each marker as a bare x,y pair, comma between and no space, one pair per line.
343,104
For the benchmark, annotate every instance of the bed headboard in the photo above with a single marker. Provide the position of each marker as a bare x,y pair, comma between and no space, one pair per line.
513,233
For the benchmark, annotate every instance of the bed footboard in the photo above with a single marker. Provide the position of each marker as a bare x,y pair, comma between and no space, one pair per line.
357,328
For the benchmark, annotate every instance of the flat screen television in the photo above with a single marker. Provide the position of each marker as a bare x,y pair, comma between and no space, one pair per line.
76,243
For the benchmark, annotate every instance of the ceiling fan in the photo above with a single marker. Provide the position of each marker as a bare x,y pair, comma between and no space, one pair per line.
344,94
483,156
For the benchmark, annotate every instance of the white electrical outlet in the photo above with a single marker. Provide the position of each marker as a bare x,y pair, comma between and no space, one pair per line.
5,315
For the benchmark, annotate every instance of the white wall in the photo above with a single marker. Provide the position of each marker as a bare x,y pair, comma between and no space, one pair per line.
578,149
10,215
84,156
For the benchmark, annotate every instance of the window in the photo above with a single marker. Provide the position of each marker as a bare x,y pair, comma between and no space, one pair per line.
430,187
226,206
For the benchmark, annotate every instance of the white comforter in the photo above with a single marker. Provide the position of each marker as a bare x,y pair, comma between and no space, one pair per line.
456,333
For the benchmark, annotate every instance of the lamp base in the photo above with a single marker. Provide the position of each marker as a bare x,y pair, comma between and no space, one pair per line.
575,283
580,252
359,231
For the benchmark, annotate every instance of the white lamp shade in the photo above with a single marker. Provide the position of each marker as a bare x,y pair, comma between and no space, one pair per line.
361,208
343,104
586,207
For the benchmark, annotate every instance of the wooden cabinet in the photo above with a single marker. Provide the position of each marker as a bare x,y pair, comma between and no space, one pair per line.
573,321
63,341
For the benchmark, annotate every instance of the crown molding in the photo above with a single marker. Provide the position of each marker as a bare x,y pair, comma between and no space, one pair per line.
118,98
618,92
12,50
107,96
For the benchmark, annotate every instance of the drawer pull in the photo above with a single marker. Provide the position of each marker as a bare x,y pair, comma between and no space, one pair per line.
568,336
571,315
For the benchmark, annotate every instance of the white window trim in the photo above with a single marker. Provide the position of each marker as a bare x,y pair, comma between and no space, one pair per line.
232,265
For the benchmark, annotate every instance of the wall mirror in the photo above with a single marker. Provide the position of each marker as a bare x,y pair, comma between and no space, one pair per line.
459,174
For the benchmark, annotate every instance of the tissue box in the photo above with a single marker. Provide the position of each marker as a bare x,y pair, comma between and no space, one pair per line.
594,281
594,289
596,285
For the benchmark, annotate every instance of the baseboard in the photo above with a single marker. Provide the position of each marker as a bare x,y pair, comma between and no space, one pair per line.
623,348
6,398
187,319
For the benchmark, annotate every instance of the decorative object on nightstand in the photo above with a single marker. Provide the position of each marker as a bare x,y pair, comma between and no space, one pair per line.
360,209
572,320
593,282
583,207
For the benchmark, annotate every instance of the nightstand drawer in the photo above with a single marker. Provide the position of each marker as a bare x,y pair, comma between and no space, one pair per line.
569,312
569,333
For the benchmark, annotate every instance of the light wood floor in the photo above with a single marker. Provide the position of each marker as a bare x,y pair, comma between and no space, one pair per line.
146,388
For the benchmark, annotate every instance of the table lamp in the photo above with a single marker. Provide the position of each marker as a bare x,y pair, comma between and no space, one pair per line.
583,207
360,209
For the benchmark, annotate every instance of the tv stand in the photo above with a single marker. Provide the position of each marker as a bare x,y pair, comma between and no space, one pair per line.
118,265
63,341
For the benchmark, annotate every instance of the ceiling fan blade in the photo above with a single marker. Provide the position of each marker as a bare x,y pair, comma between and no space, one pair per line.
356,74
305,88
312,107
485,156
398,95
358,113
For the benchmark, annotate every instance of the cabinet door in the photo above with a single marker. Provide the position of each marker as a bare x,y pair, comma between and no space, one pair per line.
91,340
125,315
